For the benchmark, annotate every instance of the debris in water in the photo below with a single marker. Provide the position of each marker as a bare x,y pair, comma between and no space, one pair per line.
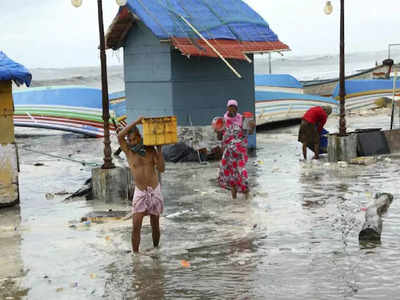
108,238
179,213
38,164
74,285
92,276
185,263
342,164
49,196
59,290
363,160
62,193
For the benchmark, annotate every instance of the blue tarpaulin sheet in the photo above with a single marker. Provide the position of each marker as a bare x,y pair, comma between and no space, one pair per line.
10,70
215,19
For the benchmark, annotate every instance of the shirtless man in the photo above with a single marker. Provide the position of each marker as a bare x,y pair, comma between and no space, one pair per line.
147,200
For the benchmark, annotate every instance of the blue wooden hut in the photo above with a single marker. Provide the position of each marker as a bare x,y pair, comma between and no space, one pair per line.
187,58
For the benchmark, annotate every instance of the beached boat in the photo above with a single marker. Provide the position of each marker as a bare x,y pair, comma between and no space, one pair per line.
326,87
68,108
280,106
277,83
365,93
279,97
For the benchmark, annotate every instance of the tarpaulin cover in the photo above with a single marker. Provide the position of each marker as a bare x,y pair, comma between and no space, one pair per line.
215,19
362,86
10,70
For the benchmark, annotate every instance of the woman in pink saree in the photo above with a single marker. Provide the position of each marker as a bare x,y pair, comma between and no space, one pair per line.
232,172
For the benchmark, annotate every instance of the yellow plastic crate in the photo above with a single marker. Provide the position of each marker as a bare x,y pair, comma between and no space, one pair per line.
160,131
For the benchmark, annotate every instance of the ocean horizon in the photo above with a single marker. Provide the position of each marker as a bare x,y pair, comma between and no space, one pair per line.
304,68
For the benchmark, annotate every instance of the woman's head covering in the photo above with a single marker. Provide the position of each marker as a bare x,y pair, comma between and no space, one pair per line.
327,109
232,102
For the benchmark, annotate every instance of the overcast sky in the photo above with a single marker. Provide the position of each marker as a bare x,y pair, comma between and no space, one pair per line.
52,33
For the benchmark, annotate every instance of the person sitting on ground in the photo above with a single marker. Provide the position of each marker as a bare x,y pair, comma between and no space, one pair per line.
311,128
143,162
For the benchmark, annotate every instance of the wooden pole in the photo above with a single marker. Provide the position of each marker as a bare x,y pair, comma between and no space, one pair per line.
211,46
108,164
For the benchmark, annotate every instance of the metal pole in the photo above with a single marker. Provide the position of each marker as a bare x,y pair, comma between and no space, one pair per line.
104,89
342,90
269,59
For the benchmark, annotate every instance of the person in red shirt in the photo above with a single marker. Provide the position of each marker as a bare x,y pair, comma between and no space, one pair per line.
311,127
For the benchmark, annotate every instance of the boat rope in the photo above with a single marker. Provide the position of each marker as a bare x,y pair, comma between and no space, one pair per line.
85,163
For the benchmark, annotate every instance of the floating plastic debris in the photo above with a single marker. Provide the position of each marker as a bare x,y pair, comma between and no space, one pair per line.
59,290
92,276
185,263
342,164
49,196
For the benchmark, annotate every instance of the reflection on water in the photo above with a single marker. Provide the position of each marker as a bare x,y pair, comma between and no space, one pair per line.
297,238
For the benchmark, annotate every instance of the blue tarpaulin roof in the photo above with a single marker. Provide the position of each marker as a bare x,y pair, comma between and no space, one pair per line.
10,70
359,86
277,80
215,19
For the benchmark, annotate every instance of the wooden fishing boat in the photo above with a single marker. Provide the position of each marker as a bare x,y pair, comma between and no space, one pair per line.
68,108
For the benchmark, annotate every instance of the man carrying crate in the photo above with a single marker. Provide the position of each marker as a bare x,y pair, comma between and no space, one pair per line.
147,200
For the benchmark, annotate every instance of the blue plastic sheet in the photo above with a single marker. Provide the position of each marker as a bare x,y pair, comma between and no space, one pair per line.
10,70
215,19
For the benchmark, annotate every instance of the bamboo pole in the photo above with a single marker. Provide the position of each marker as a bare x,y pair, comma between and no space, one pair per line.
211,46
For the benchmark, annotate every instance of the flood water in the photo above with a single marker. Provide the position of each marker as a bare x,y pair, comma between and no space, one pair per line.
297,238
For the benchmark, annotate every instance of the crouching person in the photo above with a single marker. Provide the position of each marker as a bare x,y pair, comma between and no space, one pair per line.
144,162
311,128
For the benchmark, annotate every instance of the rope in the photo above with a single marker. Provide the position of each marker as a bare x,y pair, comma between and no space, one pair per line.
65,158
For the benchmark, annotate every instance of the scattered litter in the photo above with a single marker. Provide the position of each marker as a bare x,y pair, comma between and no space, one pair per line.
74,285
179,213
88,222
275,170
62,193
342,164
59,290
92,292
363,160
72,226
388,159
108,238
92,276
363,209
49,196
185,263
38,164
241,263
327,164
45,276
258,163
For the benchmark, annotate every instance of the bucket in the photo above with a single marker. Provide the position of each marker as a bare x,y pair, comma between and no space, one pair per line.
218,123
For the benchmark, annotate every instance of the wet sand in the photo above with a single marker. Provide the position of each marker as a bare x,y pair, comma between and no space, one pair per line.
297,238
